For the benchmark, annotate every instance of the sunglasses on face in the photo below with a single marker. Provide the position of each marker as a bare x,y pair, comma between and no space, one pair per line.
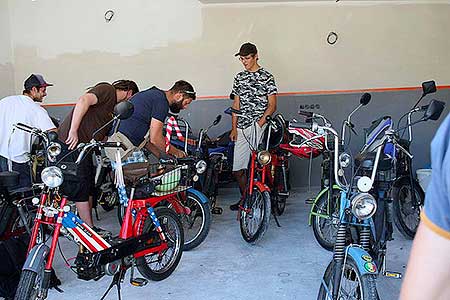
190,94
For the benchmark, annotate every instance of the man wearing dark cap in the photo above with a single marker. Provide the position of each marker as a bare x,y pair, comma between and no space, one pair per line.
15,146
254,93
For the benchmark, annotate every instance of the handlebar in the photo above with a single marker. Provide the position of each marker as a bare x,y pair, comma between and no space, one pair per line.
301,125
94,143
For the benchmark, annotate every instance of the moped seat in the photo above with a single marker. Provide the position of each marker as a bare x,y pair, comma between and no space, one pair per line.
366,161
9,179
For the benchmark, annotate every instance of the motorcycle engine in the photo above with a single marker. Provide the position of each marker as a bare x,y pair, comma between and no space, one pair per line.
86,267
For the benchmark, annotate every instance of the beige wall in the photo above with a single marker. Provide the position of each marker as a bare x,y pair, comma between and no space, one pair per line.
6,55
381,44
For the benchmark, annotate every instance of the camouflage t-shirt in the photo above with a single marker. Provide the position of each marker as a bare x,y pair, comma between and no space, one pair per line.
253,89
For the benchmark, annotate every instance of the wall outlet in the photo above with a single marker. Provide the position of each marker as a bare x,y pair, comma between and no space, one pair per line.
309,106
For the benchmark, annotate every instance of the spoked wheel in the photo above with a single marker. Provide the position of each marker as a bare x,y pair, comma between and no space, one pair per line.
159,265
354,286
254,217
195,225
279,204
325,223
279,201
30,285
121,209
407,211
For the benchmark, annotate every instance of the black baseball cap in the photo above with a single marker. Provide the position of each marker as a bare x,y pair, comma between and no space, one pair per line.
247,49
35,80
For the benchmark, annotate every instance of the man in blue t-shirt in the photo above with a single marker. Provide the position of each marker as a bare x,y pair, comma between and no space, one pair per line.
151,107
428,273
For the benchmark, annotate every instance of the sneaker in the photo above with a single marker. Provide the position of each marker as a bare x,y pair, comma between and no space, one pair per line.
102,232
235,206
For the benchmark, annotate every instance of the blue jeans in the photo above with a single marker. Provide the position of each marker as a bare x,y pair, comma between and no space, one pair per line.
22,168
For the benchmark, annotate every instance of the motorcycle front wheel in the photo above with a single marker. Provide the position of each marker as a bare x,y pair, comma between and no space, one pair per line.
325,223
255,215
353,285
195,225
407,212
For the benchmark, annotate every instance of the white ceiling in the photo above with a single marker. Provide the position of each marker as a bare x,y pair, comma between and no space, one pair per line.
280,1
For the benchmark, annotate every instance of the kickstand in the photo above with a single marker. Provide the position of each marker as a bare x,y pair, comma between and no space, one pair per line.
96,214
276,220
117,280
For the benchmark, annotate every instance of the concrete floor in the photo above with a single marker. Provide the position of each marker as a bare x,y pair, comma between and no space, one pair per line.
287,264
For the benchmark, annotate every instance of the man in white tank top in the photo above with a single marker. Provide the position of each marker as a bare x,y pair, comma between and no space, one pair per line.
15,145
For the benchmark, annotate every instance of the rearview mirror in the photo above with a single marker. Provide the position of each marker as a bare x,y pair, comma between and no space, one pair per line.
428,87
52,136
434,110
217,120
365,99
123,110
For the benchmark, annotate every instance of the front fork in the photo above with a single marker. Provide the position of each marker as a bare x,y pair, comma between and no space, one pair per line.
34,234
341,253
338,257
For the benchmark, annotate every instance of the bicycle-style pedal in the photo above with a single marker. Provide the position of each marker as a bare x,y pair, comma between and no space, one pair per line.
309,201
283,194
395,275
217,211
138,281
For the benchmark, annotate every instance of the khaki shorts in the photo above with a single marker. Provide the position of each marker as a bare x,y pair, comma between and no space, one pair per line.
242,149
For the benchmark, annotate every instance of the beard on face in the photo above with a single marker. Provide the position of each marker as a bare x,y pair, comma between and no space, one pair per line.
176,107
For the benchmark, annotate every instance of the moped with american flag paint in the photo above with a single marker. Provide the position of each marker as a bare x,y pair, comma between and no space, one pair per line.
150,239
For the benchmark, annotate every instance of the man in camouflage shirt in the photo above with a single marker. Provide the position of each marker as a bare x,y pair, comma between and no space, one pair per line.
254,93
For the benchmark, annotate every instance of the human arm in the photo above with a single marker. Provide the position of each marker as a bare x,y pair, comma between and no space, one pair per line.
271,89
236,105
157,142
428,272
271,108
79,111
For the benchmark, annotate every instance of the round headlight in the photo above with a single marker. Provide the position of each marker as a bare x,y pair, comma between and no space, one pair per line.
54,149
200,166
52,177
364,206
344,160
264,157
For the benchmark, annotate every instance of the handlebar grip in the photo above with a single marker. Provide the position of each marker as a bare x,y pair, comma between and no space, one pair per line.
186,160
301,125
167,161
306,113
114,145
25,126
424,108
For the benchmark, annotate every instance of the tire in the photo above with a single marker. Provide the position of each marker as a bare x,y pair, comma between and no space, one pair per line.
121,213
366,288
278,202
254,218
151,265
29,285
407,216
325,229
196,225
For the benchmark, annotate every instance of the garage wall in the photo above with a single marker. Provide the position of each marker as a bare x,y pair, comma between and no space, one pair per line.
381,43
6,54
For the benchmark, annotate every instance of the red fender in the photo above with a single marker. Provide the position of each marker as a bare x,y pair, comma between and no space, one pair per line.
261,186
